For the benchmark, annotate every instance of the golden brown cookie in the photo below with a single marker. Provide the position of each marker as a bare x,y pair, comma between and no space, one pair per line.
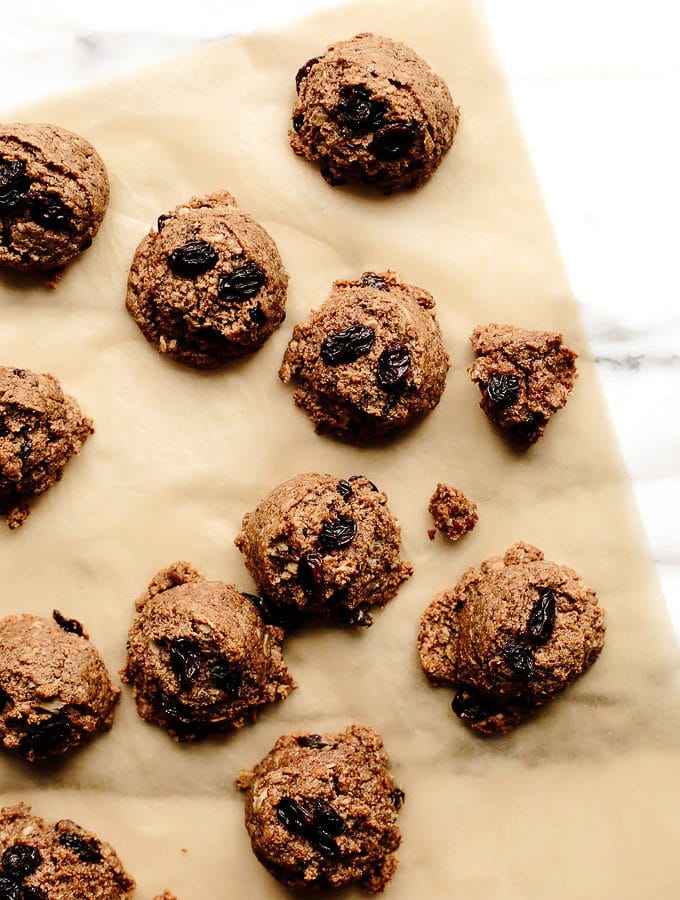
54,192
321,810
41,428
371,110
370,360
322,546
209,284
510,636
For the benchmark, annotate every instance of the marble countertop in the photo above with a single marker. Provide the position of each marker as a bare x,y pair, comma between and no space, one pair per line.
593,81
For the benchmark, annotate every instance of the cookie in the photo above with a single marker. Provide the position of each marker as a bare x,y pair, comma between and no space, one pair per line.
452,513
371,110
199,657
54,192
209,284
39,861
370,361
41,428
319,546
524,376
510,636
55,692
321,810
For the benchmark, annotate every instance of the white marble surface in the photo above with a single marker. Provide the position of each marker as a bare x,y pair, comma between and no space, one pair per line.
597,87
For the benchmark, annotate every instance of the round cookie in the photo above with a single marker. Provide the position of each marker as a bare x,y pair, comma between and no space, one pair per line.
39,861
199,657
41,428
510,636
371,110
371,360
55,692
321,810
54,192
209,284
320,546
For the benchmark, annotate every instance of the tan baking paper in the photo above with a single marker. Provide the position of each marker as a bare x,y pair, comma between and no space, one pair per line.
579,803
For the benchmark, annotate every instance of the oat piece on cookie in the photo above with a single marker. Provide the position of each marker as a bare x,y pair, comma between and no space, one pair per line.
200,658
54,192
370,110
319,546
452,513
525,377
510,636
321,810
207,285
371,360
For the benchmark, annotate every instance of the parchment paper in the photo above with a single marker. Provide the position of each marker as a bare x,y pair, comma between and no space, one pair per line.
579,803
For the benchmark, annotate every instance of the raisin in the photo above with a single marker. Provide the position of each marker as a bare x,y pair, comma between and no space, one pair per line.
9,889
241,283
527,428
344,488
88,850
358,111
20,860
226,678
370,279
348,345
393,141
72,626
311,741
311,575
394,364
180,720
257,316
324,843
397,797
295,815
185,660
192,259
519,657
4,699
327,818
472,706
48,210
31,892
14,184
503,390
272,614
48,737
304,71
161,221
337,534
357,477
542,617
298,122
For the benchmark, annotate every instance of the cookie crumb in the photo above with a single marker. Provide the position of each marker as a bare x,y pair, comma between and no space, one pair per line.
431,532
453,514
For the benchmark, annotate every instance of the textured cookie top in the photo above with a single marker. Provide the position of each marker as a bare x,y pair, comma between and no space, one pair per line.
55,691
319,545
370,360
524,376
209,284
56,862
41,428
54,192
200,658
371,110
517,630
321,810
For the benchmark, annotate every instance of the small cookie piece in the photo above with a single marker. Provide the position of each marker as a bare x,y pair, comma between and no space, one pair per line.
510,636
371,360
41,428
55,691
322,546
209,284
371,110
524,376
56,862
54,192
321,810
199,657
452,513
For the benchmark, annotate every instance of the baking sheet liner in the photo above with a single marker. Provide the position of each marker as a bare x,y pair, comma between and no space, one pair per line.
580,802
